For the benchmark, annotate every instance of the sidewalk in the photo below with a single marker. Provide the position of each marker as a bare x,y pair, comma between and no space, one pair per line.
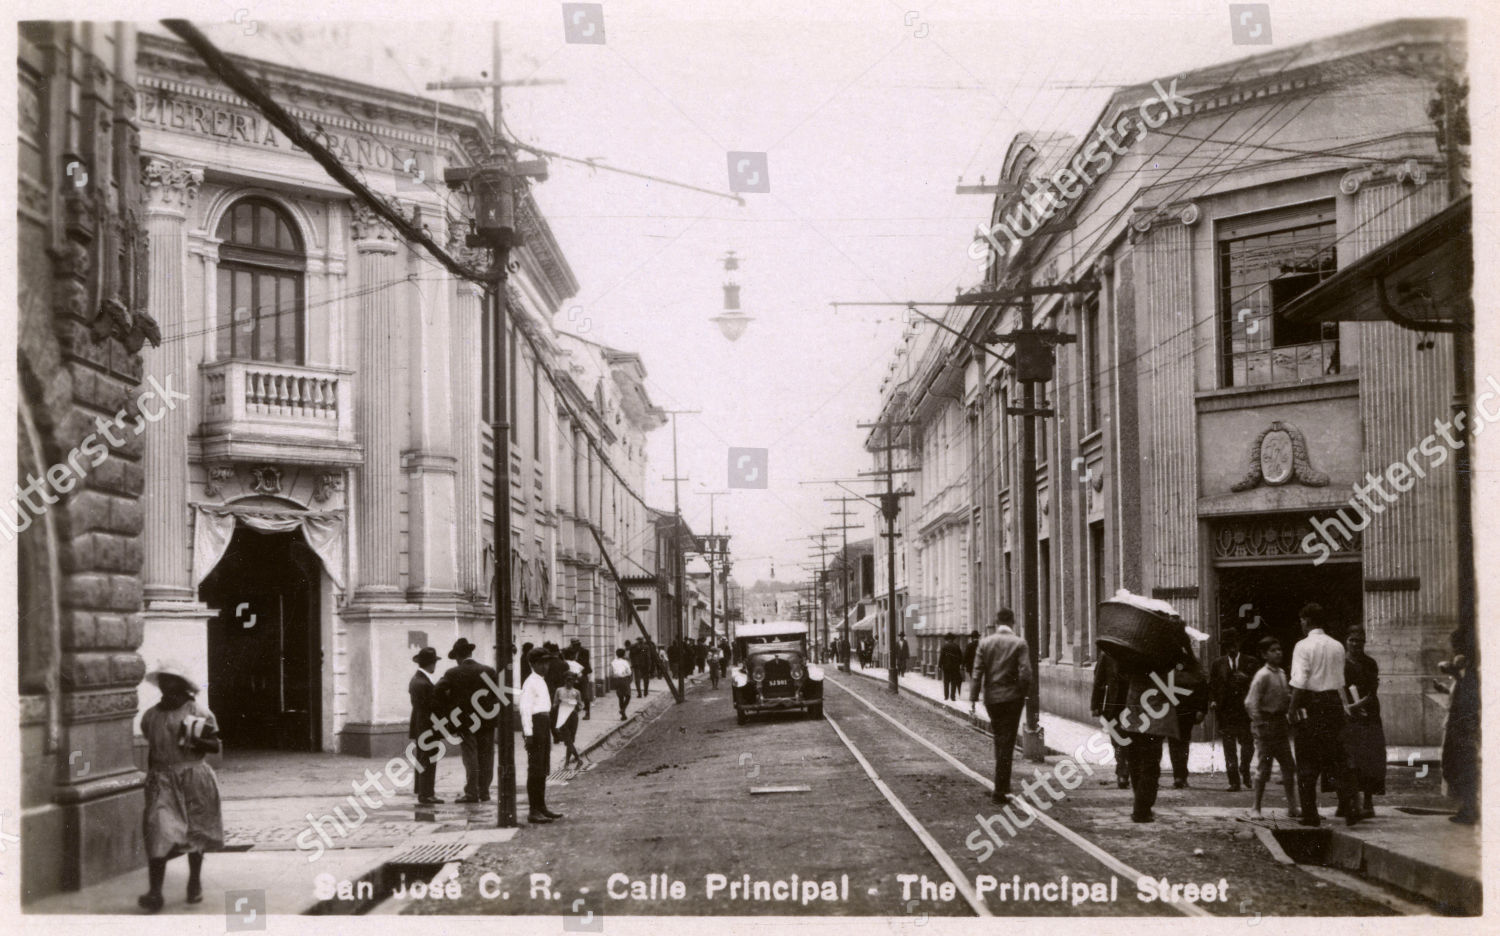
268,797
1064,735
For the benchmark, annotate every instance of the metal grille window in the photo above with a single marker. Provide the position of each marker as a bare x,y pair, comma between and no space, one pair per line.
261,264
1265,262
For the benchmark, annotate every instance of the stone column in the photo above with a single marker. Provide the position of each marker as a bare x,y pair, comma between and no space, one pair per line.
171,188
465,337
379,410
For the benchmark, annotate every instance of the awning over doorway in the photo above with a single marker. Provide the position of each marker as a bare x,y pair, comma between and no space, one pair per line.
323,531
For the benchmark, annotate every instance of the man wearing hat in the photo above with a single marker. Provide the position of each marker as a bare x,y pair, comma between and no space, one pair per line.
464,693
423,707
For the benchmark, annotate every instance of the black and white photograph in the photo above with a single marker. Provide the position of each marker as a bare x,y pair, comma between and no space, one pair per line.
641,466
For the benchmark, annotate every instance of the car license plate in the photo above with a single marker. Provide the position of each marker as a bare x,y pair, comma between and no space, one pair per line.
778,682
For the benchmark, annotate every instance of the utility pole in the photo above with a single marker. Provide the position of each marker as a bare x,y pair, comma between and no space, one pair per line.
681,628
890,507
844,527
820,585
492,186
712,553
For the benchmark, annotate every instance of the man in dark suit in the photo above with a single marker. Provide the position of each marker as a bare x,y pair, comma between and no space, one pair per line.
641,665
903,654
951,664
1003,671
423,706
466,693
970,649
1228,681
1111,689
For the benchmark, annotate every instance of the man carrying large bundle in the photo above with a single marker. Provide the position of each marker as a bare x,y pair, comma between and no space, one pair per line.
1153,659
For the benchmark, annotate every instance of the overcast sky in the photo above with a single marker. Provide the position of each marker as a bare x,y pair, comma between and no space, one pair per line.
869,110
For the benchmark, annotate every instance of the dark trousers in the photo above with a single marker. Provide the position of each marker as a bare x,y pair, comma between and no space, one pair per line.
1319,740
1005,721
538,762
642,680
952,682
1143,757
426,764
478,752
1239,746
622,691
1177,748
1122,761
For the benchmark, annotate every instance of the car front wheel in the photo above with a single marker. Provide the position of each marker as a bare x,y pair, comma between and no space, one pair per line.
740,717
815,711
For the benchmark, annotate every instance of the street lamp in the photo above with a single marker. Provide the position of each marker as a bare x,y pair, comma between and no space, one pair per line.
731,321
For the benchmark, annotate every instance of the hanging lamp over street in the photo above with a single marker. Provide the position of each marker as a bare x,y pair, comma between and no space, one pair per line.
731,321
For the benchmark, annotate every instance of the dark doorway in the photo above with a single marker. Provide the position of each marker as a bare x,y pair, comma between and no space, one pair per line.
1275,593
264,653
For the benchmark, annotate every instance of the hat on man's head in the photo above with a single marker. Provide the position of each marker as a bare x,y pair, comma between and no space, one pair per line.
425,655
172,668
461,648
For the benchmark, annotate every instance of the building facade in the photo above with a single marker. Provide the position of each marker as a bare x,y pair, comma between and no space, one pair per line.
1201,444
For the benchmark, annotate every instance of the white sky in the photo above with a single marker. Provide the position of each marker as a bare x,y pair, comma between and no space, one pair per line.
867,127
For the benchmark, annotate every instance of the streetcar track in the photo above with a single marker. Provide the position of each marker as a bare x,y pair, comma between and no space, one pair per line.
1091,849
944,860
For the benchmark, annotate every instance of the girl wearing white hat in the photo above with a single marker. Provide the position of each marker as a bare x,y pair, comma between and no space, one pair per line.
183,815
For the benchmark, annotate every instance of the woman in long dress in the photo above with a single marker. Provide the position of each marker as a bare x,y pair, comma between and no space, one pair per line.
565,704
183,815
1364,735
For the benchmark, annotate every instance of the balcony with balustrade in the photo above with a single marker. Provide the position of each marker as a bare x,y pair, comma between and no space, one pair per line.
260,410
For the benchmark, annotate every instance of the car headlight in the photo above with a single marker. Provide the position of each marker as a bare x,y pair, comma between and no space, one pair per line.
760,675
796,671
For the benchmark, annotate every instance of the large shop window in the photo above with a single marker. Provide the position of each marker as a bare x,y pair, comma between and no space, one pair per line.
261,264
1266,261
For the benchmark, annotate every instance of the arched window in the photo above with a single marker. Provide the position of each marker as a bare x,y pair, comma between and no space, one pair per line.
261,264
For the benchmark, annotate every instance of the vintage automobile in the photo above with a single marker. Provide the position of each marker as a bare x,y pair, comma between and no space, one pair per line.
773,672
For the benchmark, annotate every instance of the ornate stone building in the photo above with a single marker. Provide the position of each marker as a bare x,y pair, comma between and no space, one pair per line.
1202,442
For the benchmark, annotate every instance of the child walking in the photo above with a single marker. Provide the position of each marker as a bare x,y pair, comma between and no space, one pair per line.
182,794
1266,703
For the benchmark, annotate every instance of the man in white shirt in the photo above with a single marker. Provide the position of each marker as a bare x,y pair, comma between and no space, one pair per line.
536,725
1317,716
619,676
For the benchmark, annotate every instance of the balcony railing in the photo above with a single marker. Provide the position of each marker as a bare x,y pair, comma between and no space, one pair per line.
278,404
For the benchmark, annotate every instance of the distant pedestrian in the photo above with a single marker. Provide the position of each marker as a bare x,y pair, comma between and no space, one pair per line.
1318,717
1107,701
715,665
526,660
464,694
565,706
423,693
1364,734
951,664
970,649
903,654
1228,681
1461,734
1266,704
1003,672
641,657
536,725
674,658
619,679
700,653
183,815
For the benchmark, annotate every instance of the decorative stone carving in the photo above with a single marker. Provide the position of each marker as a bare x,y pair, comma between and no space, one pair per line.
217,475
1278,456
368,226
265,480
1189,215
1408,170
171,185
326,484
1272,536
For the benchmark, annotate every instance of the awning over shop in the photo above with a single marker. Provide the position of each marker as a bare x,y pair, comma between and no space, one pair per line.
1421,280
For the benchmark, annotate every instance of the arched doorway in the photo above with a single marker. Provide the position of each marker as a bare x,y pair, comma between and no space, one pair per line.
264,647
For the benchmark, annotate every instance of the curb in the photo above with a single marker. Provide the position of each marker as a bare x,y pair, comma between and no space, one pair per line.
1380,863
978,724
